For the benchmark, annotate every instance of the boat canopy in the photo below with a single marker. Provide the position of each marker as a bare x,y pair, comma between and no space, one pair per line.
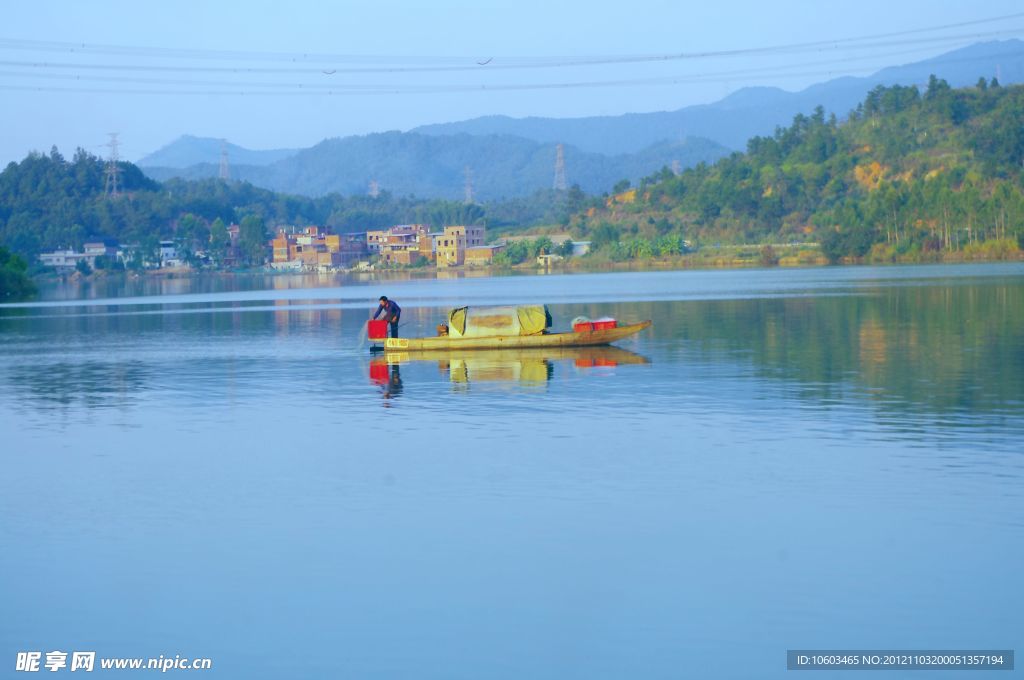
487,322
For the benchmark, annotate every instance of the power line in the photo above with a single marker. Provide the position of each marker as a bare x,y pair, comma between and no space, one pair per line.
492,63
284,89
321,71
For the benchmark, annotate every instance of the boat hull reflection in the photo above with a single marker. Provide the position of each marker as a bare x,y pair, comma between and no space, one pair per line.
524,366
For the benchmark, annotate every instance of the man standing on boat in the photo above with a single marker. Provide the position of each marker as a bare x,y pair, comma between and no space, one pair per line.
392,312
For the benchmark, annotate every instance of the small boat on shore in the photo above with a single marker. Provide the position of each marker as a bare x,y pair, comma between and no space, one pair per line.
506,328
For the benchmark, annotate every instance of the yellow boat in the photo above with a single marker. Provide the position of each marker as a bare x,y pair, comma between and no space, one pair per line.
582,356
593,338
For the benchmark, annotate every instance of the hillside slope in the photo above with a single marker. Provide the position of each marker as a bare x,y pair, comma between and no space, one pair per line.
908,175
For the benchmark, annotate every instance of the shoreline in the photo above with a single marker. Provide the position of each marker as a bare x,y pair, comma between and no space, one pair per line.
746,257
79,291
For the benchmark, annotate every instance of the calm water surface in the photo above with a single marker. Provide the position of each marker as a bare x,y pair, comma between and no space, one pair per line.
820,458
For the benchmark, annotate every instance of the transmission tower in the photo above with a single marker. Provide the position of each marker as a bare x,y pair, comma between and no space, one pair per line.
111,186
225,173
374,189
560,183
677,168
469,185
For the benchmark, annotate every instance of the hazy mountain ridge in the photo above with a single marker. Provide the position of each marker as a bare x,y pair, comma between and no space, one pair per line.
748,112
430,166
189,150
514,157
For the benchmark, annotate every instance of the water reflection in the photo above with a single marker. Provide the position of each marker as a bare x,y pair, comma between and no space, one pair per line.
942,349
524,367
91,384
387,377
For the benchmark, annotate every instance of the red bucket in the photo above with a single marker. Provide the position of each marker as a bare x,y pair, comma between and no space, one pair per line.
377,329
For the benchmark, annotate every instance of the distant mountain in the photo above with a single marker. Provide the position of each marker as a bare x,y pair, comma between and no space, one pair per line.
187,150
749,111
511,157
431,166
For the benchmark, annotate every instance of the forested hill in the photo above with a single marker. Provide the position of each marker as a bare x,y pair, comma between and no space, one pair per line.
48,202
908,173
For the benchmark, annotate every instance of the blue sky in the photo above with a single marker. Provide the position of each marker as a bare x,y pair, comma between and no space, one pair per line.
150,98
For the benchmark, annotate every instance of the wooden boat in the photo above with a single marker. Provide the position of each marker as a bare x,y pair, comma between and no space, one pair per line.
604,336
592,355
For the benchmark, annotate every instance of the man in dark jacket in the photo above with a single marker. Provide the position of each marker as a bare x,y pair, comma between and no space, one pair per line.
392,312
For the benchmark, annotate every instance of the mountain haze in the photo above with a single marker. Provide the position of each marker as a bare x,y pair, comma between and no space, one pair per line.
750,111
431,166
510,157
189,150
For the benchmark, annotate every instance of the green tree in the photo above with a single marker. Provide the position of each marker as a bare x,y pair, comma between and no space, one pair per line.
14,281
252,239
542,246
604,235
192,235
219,240
517,251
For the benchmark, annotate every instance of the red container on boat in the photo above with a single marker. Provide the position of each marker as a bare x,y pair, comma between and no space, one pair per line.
377,329
605,324
582,327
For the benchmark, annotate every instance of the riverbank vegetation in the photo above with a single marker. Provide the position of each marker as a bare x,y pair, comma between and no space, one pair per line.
48,202
14,281
909,176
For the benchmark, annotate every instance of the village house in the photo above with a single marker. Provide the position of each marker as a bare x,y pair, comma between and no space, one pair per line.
452,244
401,244
69,259
477,256
168,255
61,259
315,248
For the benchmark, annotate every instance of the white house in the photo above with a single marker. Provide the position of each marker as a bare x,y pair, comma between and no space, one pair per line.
61,259
68,259
169,254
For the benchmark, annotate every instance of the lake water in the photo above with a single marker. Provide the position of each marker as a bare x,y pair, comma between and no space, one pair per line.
789,459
